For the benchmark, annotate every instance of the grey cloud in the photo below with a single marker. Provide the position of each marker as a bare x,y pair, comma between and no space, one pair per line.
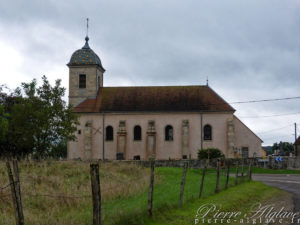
248,49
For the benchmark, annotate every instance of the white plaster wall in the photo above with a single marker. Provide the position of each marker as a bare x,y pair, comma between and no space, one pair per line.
164,149
218,123
76,148
76,94
244,137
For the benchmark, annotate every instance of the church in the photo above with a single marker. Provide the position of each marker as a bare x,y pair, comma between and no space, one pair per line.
139,123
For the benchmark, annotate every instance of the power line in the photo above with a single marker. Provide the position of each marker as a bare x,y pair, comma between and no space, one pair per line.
266,116
266,100
278,137
274,129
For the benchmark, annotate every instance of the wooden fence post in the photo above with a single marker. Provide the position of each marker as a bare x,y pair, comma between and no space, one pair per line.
202,180
218,177
18,191
95,182
14,192
182,183
242,169
150,196
227,173
250,170
237,172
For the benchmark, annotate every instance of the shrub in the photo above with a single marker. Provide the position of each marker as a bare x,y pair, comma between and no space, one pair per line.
211,153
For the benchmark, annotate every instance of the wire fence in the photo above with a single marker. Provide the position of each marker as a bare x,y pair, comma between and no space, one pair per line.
227,172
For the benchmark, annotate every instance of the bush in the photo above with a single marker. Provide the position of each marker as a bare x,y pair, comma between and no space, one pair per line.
211,153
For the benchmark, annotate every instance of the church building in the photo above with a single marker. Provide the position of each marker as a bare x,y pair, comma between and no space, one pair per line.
164,122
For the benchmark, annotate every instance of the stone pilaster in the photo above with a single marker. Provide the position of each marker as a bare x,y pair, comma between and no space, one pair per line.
88,142
230,139
121,140
151,140
185,139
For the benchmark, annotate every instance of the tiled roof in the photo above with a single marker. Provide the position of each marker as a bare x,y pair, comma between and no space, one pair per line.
155,99
85,56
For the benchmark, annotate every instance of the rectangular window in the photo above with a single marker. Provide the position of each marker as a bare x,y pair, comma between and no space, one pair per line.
82,81
245,153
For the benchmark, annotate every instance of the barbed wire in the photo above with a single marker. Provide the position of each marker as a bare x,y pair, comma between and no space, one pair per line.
56,196
6,186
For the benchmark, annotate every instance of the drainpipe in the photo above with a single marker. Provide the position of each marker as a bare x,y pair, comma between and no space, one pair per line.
201,126
103,136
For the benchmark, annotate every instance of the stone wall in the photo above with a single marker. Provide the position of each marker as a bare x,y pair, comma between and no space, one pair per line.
94,80
287,163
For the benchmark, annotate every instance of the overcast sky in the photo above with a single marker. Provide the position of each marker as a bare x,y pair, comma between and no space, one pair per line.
248,49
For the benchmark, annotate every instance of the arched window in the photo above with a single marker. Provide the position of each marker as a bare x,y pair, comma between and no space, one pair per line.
169,133
109,131
137,133
207,132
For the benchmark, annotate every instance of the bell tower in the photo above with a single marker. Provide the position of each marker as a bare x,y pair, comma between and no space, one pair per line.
85,74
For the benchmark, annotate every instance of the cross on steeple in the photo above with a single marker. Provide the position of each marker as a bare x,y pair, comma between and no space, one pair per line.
87,27
86,46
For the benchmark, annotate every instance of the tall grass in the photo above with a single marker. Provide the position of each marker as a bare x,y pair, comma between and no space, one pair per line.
60,192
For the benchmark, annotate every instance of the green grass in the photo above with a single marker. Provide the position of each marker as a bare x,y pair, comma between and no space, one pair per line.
259,170
166,194
124,190
274,171
239,198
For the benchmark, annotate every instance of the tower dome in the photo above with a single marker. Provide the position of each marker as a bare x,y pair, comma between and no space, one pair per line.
85,56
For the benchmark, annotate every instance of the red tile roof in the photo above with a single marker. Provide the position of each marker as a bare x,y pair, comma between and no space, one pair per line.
155,99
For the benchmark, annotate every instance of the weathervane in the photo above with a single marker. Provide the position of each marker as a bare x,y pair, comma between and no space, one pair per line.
206,80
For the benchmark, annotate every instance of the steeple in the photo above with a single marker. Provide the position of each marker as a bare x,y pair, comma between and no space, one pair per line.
85,73
85,56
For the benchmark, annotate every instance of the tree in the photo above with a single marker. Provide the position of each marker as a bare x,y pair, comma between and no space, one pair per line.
3,118
39,119
285,148
210,153
3,123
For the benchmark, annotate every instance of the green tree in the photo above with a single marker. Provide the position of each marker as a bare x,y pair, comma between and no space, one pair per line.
3,123
39,119
285,148
3,117
210,153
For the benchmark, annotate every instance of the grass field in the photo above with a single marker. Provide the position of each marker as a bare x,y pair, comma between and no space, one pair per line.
238,198
260,170
276,171
60,192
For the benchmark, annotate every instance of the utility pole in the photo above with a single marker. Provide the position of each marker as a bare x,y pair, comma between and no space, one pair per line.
295,132
295,139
